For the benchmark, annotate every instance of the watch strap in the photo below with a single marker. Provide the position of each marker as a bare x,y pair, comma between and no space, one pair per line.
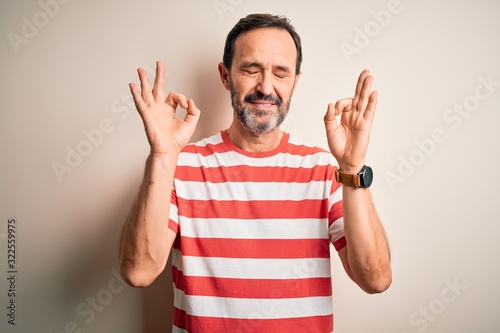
347,179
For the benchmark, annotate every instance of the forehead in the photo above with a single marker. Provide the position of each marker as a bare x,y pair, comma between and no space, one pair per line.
266,46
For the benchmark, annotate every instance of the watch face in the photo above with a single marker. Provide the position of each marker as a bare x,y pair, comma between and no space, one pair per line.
366,176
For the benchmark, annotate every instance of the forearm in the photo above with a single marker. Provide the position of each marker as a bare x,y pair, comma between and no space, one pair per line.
146,239
368,254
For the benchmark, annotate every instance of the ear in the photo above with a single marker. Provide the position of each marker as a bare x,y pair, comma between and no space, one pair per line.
224,76
296,81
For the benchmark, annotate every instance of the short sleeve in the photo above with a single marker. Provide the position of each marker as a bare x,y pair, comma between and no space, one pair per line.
173,221
336,216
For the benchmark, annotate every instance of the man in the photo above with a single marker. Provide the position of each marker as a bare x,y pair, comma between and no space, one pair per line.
253,210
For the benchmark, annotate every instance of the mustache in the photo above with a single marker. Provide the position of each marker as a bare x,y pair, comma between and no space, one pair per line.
261,97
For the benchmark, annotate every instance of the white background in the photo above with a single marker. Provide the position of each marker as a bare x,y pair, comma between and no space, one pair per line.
69,76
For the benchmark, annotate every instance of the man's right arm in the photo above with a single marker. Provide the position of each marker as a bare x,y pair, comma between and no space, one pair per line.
146,240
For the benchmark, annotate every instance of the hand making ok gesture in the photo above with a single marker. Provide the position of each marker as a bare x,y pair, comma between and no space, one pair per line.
348,141
165,132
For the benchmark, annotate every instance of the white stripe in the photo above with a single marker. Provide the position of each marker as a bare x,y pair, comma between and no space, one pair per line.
255,229
174,213
176,329
296,141
253,308
214,140
251,268
337,227
249,191
335,197
217,139
336,230
234,159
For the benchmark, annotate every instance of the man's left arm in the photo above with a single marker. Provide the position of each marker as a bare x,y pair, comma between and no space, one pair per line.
366,257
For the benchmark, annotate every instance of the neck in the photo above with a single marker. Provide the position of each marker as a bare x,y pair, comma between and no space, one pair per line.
252,142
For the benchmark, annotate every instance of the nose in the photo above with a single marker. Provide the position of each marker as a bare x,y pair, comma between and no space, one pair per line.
265,84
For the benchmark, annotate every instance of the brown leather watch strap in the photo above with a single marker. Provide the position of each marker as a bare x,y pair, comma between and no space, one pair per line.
347,179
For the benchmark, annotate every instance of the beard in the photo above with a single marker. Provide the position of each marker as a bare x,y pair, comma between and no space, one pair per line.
258,121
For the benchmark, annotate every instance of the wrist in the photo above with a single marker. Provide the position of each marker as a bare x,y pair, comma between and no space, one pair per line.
354,169
164,162
160,169
165,155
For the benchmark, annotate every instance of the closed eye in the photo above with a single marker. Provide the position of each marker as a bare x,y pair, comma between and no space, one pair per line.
251,68
282,75
282,72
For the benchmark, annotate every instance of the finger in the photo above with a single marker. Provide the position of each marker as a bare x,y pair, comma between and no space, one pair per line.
136,94
371,107
192,113
158,87
365,94
175,99
145,88
343,105
359,86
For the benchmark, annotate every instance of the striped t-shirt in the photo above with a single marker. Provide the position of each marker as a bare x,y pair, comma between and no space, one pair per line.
252,252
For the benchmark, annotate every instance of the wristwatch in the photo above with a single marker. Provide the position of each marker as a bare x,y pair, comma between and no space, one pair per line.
362,179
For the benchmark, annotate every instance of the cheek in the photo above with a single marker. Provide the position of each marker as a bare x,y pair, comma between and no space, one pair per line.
285,94
246,85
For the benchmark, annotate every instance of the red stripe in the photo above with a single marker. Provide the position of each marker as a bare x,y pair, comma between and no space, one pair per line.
336,212
316,324
246,173
173,226
255,209
251,288
331,175
207,150
255,248
181,319
340,243
303,150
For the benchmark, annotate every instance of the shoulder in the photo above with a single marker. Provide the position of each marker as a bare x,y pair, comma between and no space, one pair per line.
202,151
206,146
297,146
204,143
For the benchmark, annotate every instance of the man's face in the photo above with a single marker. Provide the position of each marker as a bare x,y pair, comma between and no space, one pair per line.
262,78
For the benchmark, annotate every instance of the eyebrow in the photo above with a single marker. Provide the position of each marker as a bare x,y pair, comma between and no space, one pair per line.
283,68
251,64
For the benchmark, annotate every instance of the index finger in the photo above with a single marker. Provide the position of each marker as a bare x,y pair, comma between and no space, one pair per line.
174,99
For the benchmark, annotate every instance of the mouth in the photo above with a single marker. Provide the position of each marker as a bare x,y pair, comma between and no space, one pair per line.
263,105
262,102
